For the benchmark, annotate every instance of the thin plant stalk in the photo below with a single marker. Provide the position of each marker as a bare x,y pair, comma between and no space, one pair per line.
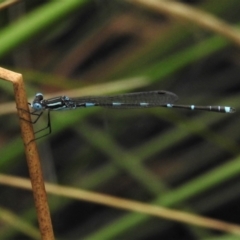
125,204
192,15
32,156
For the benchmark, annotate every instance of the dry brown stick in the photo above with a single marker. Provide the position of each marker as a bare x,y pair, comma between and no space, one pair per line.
121,203
33,161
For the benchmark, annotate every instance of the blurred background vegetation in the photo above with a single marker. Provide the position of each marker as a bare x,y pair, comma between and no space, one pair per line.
176,158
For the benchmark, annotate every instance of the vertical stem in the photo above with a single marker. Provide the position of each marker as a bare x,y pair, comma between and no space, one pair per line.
33,161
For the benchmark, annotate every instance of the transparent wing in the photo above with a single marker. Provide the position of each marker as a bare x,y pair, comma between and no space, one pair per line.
129,100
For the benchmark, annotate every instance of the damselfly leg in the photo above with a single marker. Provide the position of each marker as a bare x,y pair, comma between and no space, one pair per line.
39,114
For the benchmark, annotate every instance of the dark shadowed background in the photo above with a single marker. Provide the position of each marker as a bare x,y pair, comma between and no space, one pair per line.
186,160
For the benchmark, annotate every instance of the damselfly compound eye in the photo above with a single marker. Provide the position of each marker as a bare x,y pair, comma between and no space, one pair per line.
37,106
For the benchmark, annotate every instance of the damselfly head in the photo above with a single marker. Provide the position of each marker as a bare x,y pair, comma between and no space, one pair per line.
37,102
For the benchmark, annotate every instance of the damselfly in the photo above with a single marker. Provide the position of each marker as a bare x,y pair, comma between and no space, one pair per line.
148,99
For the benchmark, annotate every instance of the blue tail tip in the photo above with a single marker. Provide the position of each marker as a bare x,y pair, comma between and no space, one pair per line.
230,109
